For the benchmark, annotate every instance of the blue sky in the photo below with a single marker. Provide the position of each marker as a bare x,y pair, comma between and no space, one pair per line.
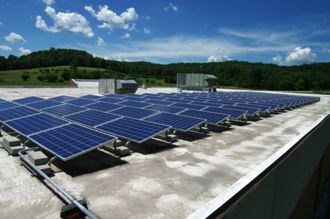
282,32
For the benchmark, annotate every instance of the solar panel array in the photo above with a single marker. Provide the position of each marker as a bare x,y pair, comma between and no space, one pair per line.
68,127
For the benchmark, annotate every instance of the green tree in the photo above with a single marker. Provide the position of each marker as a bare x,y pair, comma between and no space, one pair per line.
25,75
50,77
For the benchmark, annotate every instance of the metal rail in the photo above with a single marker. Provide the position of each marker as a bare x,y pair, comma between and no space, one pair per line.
57,187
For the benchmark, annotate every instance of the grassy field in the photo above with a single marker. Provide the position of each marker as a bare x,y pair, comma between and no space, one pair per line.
14,77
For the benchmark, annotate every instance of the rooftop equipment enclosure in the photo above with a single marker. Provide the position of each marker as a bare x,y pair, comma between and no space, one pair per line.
116,86
195,81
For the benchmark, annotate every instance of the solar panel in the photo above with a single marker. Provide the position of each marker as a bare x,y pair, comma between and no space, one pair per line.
62,98
159,102
110,100
80,102
133,112
163,108
103,106
16,112
1,100
134,98
43,104
134,103
133,129
211,118
250,110
69,141
35,123
117,96
189,106
174,99
6,105
179,122
233,114
92,117
64,109
27,100
92,97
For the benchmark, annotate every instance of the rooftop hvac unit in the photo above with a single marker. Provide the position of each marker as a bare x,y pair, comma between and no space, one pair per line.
117,86
195,81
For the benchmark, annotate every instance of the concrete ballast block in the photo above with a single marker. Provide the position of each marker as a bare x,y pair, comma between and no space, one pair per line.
37,157
11,141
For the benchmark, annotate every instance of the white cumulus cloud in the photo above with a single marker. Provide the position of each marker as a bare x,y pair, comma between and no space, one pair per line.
126,36
146,30
111,20
100,41
14,37
49,2
5,48
277,60
171,7
219,58
300,55
65,22
24,51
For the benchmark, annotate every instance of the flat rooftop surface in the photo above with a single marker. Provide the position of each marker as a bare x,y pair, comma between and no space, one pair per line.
158,180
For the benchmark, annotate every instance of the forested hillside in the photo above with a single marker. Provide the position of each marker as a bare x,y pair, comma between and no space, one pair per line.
232,73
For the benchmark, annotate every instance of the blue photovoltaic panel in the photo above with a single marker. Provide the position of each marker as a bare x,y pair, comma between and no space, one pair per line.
206,103
80,102
16,112
69,141
6,105
211,118
134,103
64,109
27,100
250,110
189,106
133,129
35,123
92,97
92,117
159,102
62,98
117,96
134,98
110,100
103,106
1,100
163,108
133,112
233,114
262,108
182,123
43,104
174,99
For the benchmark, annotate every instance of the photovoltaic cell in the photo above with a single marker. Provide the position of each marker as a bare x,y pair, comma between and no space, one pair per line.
159,102
133,112
110,100
163,108
80,102
233,114
211,118
35,123
188,106
179,122
6,105
64,109
43,104
103,106
92,117
134,103
27,100
62,98
16,112
133,129
69,141
250,110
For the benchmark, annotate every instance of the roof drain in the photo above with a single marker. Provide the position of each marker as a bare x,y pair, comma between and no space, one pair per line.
57,187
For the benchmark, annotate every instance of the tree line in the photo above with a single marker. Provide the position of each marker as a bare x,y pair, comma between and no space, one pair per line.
231,73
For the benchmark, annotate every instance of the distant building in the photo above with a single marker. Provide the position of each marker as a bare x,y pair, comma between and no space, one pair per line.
195,81
82,83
